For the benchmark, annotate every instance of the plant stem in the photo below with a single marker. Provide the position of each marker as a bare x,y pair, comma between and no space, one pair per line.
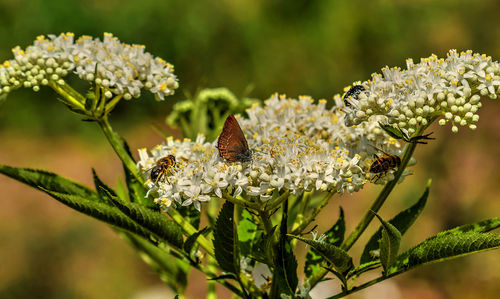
189,230
243,203
377,204
279,200
69,94
116,142
313,215
111,104
361,287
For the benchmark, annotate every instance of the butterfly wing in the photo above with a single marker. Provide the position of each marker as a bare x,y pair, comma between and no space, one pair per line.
232,144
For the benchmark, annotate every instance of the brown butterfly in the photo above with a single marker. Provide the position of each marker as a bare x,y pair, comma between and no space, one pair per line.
232,144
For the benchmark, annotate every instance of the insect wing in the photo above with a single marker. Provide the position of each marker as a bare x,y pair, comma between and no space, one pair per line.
232,143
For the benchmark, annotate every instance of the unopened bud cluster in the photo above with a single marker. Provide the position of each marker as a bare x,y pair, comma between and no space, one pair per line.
118,68
449,87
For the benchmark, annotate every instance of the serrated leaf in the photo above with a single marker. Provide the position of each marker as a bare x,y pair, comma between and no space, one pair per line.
393,132
99,210
102,189
41,179
173,271
389,244
445,246
401,221
225,240
481,227
338,257
334,236
191,240
153,221
285,278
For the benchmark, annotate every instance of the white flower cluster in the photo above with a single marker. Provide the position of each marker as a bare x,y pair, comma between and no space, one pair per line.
450,87
119,68
297,145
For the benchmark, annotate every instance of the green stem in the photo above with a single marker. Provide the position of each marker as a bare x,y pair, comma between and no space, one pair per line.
240,202
212,290
278,201
189,230
111,104
370,214
69,94
313,215
361,287
116,142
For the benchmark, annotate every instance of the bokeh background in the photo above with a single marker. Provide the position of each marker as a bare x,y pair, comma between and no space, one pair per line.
254,48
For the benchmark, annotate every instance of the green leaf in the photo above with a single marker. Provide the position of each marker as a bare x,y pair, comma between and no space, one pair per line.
153,221
394,132
173,271
99,210
401,221
247,233
481,227
191,240
226,240
285,278
334,236
41,179
102,189
445,246
338,257
389,244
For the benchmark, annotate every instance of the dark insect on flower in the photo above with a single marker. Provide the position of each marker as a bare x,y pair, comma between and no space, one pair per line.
353,92
162,167
232,144
383,164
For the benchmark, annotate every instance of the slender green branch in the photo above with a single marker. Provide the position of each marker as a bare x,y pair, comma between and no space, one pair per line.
243,203
377,204
111,104
279,200
361,287
116,142
313,215
189,229
69,94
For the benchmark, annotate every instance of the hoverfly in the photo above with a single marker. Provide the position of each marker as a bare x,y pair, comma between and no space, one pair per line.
162,168
383,164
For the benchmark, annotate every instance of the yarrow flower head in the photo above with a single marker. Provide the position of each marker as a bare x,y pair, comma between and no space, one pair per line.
116,67
449,87
298,145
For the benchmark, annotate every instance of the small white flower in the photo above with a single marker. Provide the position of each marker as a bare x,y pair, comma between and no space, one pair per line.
298,146
119,68
435,87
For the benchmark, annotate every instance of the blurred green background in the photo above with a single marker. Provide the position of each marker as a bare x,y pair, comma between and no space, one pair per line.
254,48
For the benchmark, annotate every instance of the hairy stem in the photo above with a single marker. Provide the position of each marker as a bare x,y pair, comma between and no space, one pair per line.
116,142
377,204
